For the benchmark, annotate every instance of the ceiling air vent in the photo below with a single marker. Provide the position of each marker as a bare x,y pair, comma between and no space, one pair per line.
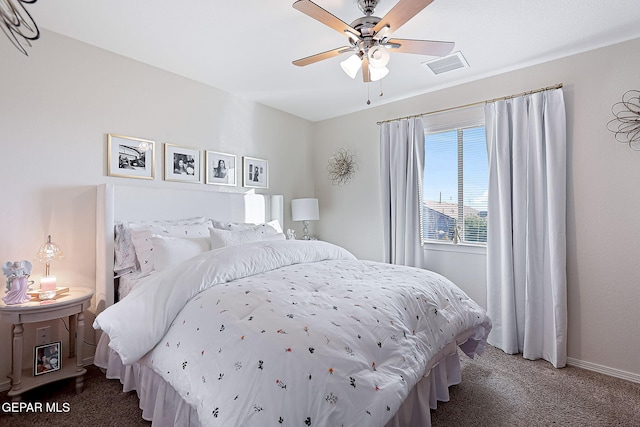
447,63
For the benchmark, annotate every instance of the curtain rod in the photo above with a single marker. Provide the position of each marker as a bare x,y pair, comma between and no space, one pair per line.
473,104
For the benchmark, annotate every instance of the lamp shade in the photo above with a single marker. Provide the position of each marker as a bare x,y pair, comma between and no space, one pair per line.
305,210
49,251
378,56
377,73
351,65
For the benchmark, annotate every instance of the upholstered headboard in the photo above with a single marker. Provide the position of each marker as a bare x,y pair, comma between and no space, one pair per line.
137,203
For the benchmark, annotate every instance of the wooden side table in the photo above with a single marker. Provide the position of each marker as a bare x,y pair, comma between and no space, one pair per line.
73,305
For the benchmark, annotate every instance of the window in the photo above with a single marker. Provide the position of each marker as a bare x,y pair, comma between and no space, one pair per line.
456,171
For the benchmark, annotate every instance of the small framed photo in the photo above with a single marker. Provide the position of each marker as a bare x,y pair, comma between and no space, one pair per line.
182,164
130,157
221,168
255,173
47,358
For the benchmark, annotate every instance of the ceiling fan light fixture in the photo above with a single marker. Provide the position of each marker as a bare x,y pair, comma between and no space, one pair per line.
369,37
378,57
376,74
351,65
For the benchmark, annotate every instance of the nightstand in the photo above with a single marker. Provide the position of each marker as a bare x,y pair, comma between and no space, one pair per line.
73,305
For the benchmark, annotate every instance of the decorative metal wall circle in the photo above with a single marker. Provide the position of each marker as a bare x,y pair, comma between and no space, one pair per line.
626,122
342,166
17,24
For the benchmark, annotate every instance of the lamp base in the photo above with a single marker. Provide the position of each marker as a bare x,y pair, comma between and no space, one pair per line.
305,230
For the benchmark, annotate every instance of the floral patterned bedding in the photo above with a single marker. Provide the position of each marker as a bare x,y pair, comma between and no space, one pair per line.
291,333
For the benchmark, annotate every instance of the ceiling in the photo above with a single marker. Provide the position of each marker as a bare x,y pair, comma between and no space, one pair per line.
245,47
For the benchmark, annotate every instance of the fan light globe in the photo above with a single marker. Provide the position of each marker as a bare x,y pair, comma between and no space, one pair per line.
378,57
351,65
376,74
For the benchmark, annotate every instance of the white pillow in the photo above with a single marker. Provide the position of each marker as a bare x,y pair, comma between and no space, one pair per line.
275,224
143,244
170,251
125,254
222,238
232,226
241,226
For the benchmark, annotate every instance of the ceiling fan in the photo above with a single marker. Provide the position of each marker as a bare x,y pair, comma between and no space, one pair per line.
369,37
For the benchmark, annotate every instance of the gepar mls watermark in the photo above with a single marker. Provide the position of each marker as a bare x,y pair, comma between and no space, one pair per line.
35,407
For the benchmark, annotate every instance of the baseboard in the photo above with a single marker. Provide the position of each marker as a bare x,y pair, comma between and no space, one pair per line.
612,372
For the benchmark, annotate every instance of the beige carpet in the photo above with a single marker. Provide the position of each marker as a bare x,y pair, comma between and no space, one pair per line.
496,390
502,390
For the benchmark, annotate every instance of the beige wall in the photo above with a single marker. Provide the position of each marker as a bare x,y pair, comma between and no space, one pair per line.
603,229
57,106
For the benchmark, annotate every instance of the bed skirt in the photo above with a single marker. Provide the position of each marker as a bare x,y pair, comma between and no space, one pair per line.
162,405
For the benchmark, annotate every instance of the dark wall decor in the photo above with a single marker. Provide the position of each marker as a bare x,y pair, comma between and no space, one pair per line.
626,122
17,23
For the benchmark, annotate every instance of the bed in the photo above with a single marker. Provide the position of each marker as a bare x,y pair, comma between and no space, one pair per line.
257,330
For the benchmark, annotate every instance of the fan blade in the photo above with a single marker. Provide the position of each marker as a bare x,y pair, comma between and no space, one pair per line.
365,70
320,56
319,14
403,11
421,47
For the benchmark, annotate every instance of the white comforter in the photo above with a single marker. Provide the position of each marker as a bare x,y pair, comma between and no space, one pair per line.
290,333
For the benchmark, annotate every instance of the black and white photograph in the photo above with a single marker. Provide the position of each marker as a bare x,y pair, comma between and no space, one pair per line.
182,164
47,358
255,173
221,168
130,157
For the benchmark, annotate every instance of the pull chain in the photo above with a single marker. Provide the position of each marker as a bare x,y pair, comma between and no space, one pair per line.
380,94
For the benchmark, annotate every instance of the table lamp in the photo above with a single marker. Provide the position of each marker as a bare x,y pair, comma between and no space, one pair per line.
47,253
305,210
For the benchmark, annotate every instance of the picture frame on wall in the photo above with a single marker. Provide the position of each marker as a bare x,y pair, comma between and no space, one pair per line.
47,358
182,164
255,172
130,157
221,168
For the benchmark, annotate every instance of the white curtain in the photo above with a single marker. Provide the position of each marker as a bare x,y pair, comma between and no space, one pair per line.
526,244
402,163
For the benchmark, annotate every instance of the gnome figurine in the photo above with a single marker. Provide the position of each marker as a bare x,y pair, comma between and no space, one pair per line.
17,284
